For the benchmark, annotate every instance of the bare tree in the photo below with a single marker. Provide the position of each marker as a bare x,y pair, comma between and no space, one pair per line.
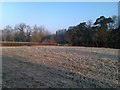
8,34
38,33
35,35
28,33
21,31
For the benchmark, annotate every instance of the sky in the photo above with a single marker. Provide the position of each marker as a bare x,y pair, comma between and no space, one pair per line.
55,15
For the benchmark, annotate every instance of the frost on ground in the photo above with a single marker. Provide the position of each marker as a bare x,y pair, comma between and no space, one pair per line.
59,67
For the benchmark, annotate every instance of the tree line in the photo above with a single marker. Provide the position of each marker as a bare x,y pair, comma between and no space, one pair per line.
104,32
24,33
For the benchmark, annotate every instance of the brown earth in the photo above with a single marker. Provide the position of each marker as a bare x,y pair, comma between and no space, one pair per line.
59,67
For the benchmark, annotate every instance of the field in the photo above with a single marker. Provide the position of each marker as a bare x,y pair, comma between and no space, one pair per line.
59,67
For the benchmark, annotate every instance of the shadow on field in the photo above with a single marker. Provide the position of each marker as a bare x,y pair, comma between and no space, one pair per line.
22,74
96,54
101,55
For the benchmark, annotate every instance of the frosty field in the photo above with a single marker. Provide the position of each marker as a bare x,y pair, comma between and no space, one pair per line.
59,67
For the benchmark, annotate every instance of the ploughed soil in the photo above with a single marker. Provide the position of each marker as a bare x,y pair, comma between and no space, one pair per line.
59,67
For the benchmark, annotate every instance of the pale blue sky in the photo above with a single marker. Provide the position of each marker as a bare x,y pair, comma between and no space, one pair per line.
53,15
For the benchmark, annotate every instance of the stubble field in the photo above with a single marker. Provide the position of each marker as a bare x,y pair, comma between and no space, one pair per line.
59,67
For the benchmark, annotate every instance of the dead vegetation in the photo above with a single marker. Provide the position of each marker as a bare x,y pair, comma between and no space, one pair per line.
26,44
59,67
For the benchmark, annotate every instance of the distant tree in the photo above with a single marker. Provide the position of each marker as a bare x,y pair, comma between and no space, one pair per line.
38,33
52,39
61,36
28,33
102,28
95,36
112,32
35,34
21,32
16,34
0,35
71,35
90,33
8,34
79,35
118,38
